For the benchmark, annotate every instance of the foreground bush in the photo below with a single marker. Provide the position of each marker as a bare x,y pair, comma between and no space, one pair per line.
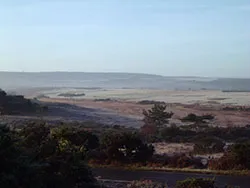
32,158
196,183
199,183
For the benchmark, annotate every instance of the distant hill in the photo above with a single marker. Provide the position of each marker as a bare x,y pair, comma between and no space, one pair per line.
13,80
17,105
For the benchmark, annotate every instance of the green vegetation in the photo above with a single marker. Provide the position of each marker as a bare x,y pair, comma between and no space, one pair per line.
149,102
196,183
237,108
196,132
104,100
154,119
126,148
71,95
237,158
57,156
42,156
18,105
194,118
208,145
146,184
35,157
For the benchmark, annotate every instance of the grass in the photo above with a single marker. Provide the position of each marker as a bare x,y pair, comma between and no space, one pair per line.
184,170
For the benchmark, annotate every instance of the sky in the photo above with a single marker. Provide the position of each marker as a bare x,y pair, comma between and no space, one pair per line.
167,37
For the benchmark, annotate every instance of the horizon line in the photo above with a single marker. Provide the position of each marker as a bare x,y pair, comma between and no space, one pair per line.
114,72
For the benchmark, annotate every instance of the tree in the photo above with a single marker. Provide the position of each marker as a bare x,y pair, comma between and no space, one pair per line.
155,118
157,115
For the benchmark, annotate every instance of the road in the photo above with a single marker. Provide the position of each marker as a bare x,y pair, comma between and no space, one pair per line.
168,177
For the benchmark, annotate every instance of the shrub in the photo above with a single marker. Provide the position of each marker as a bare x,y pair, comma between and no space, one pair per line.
146,184
238,158
126,147
195,118
208,145
32,158
196,183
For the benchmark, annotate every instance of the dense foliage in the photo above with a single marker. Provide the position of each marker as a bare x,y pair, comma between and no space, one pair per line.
17,104
195,118
154,119
196,132
207,145
238,158
146,184
125,147
34,157
196,183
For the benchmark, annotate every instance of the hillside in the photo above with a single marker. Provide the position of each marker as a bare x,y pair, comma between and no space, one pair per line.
18,80
17,105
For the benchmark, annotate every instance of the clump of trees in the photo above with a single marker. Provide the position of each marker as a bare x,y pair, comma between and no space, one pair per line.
195,118
17,104
150,102
71,95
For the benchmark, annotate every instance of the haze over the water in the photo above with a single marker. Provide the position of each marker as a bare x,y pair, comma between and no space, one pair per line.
174,37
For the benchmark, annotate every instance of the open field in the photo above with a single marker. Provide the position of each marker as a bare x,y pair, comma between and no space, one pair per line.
207,97
124,102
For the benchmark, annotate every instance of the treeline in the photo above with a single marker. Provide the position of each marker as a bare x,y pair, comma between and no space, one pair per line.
17,105
206,139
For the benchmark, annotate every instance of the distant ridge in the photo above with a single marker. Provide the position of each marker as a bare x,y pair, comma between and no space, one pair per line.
119,73
12,80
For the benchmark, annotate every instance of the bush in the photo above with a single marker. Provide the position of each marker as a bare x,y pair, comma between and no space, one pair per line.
195,118
33,158
237,158
148,102
146,184
176,134
208,145
126,147
17,104
196,183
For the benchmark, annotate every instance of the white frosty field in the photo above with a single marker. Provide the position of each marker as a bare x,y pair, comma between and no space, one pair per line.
183,97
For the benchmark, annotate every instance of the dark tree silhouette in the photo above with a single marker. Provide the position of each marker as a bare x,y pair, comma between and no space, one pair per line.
155,118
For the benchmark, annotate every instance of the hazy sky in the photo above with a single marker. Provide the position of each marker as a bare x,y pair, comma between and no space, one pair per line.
168,37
